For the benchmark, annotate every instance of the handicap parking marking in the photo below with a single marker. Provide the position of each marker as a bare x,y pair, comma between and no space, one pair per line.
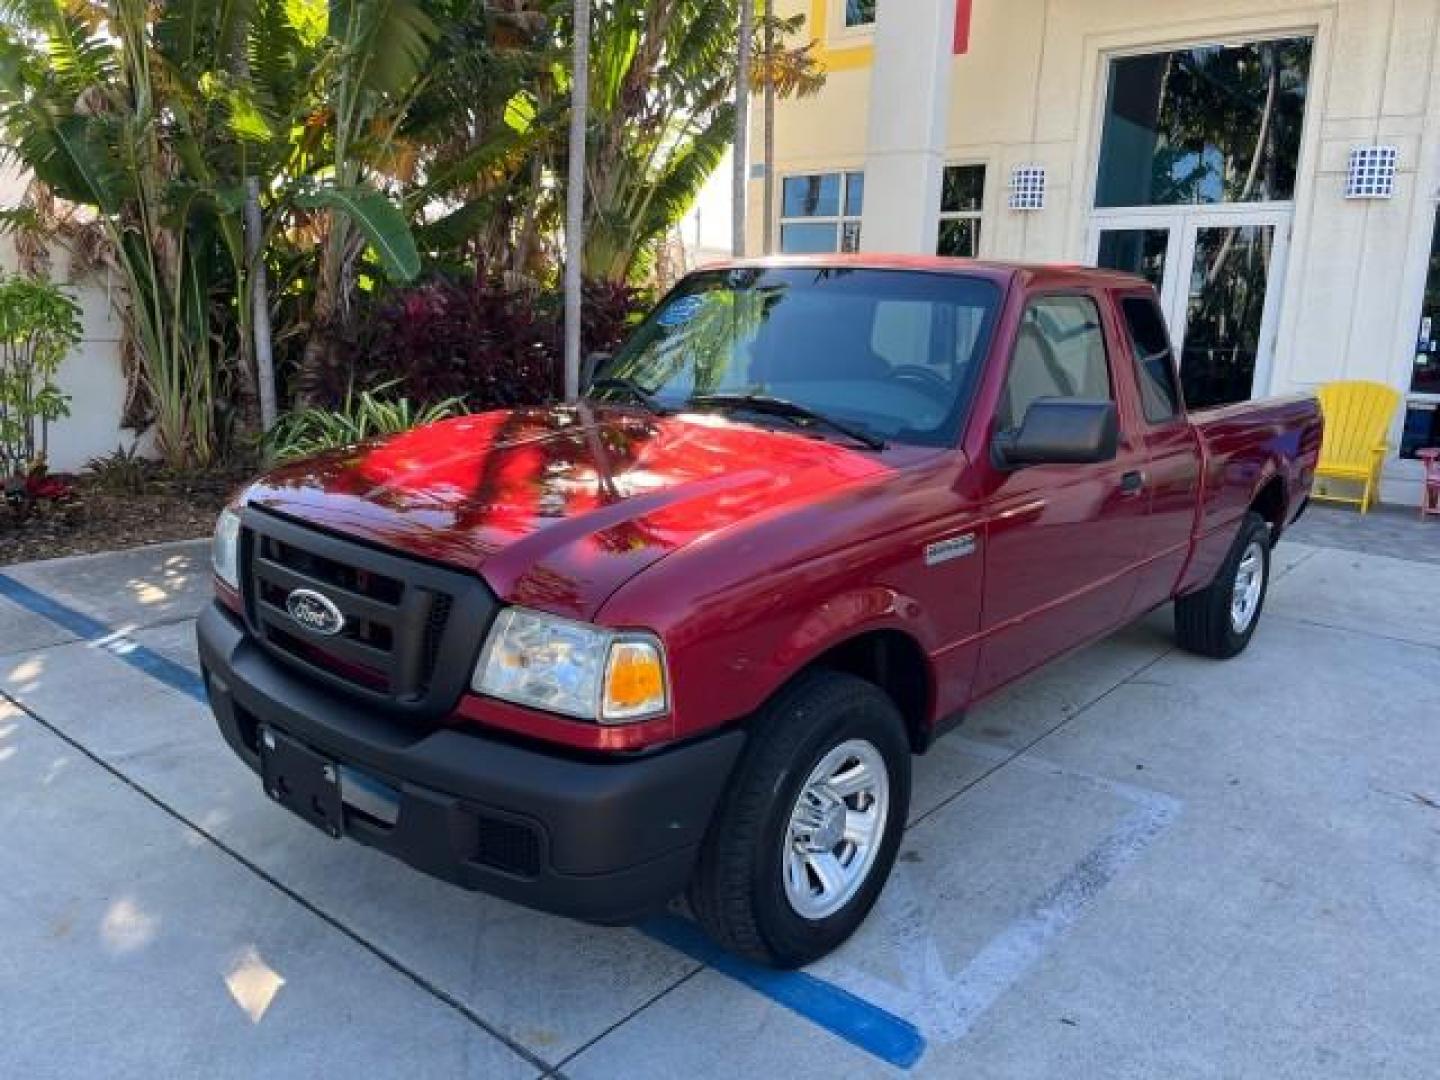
946,1005
859,1022
95,633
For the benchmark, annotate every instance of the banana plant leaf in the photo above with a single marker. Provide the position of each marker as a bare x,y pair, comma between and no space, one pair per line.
379,219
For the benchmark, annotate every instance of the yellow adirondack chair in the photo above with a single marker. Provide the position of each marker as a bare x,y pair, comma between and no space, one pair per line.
1357,419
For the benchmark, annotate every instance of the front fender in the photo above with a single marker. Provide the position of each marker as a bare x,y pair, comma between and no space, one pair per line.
724,669
845,616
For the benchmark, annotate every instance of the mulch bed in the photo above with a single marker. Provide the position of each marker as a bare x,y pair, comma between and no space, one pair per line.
95,519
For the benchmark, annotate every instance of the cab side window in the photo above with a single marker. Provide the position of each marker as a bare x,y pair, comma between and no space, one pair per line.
1059,352
1154,359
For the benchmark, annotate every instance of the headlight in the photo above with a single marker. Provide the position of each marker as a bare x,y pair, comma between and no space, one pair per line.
572,668
225,550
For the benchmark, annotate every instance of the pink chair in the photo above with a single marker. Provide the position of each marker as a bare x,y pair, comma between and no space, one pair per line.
1430,494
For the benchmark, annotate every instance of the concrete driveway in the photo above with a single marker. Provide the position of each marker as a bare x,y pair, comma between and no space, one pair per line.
1137,863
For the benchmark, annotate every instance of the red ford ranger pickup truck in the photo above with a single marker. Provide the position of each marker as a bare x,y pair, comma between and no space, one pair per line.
685,635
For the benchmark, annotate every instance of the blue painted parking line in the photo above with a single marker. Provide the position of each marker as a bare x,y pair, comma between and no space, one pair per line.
947,1004
866,1026
838,1011
92,630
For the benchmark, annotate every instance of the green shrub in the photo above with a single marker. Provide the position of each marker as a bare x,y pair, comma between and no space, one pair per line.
360,417
124,472
39,325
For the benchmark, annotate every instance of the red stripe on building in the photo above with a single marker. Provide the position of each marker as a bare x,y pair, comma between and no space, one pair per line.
962,26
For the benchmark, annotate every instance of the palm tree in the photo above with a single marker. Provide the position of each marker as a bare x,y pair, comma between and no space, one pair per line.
376,55
172,124
575,194
783,72
768,77
742,126
661,118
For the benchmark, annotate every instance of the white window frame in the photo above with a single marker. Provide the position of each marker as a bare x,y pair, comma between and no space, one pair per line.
1412,397
1184,222
839,221
977,216
838,29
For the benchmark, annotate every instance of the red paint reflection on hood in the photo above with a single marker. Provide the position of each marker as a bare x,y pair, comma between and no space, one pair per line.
559,507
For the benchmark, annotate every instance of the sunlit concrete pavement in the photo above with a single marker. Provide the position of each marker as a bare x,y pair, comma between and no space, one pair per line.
1136,863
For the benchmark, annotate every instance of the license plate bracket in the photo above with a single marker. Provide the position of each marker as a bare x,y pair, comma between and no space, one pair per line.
302,781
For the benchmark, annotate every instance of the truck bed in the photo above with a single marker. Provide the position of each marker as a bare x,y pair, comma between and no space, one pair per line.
1243,447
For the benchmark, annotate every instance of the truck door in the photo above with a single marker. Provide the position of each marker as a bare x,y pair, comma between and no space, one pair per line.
1062,542
1172,450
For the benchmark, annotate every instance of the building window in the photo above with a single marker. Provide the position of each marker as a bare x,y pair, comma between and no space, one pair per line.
1136,251
859,13
820,213
1213,124
962,198
1422,416
1425,378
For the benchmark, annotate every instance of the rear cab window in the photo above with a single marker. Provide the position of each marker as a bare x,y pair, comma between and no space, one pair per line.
1154,359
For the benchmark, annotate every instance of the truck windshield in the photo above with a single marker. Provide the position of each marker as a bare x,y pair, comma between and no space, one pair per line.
892,354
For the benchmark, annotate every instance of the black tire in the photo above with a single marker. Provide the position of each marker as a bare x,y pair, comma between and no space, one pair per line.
1203,622
738,892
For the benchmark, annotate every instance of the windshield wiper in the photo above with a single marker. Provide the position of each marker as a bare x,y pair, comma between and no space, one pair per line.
788,410
631,387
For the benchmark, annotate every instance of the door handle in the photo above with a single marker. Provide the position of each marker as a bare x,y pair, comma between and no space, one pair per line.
1132,482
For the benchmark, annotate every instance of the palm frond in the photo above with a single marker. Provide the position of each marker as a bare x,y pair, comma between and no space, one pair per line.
684,174
385,42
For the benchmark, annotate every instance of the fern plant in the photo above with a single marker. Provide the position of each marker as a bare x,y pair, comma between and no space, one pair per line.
366,415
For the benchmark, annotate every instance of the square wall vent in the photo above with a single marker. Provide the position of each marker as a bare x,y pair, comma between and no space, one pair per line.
1372,172
1027,187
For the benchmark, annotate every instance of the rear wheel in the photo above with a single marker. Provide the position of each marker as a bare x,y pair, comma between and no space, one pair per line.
1219,620
808,831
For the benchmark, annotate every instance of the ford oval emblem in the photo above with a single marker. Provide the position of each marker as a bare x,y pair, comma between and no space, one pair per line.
315,612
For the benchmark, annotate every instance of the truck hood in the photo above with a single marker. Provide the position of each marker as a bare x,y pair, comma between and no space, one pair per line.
558,507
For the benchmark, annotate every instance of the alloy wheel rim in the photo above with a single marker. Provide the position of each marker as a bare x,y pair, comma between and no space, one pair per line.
835,830
1249,582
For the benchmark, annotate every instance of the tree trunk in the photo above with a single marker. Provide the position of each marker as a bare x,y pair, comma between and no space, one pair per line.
575,196
742,125
260,376
259,304
768,227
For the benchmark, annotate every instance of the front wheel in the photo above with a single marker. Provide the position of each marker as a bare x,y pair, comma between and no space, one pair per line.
1219,620
808,831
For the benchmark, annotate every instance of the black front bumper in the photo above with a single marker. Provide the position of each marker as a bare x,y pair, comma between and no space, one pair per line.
602,840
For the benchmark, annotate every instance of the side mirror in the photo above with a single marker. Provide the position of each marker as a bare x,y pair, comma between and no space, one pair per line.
589,366
1062,431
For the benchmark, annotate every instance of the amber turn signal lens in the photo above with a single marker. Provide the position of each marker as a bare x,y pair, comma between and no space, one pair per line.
634,681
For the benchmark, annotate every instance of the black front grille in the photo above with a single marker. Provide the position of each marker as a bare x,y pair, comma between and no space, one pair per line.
411,631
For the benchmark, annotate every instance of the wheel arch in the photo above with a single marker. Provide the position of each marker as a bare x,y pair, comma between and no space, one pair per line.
895,662
1270,502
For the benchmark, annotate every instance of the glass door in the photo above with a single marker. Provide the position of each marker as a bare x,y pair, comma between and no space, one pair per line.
1234,265
1141,248
1422,410
1218,271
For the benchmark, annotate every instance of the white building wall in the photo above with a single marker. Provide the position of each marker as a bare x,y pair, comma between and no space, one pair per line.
904,149
91,374
1031,91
